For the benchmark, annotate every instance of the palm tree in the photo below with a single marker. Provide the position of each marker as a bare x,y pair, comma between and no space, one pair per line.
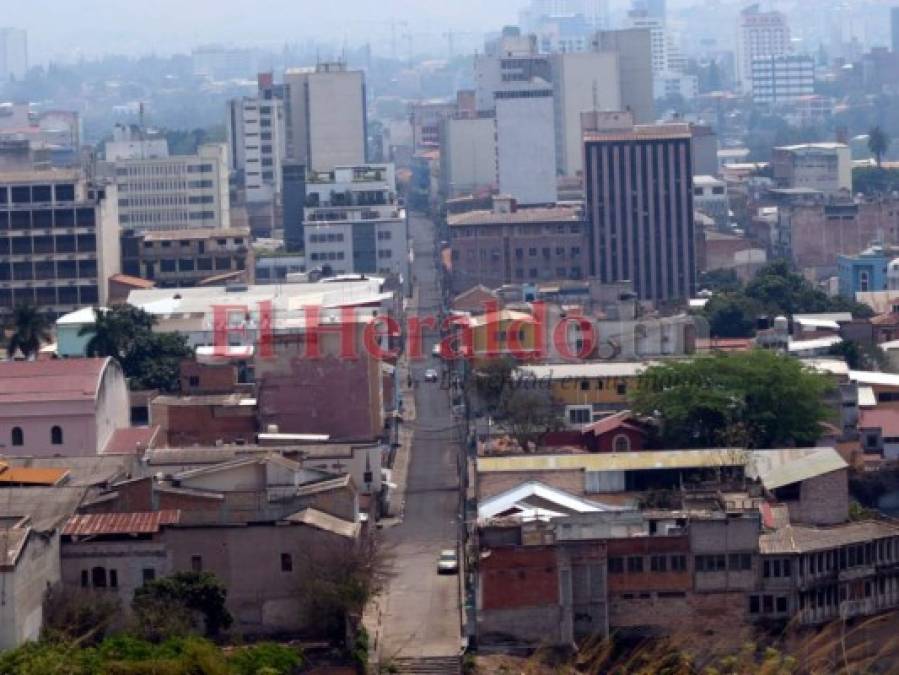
878,143
30,329
108,335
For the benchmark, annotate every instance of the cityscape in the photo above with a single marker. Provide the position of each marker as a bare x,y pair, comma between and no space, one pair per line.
532,336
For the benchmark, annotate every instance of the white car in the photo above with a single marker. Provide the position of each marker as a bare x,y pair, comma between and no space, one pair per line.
437,351
431,375
448,562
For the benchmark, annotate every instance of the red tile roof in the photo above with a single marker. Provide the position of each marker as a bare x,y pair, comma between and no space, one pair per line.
120,523
620,420
51,380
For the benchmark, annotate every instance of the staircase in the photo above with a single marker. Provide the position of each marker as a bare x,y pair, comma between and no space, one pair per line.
427,665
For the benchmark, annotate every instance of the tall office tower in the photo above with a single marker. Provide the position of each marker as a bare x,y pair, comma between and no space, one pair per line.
581,82
894,26
526,143
325,116
256,139
59,241
293,200
13,54
653,8
759,35
639,187
158,191
634,49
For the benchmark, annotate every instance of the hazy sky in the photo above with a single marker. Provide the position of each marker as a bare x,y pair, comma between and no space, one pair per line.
64,29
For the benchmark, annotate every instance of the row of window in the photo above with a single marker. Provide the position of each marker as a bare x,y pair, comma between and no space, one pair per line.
574,251
657,563
45,219
191,264
322,238
332,255
493,231
37,194
719,562
48,270
53,295
17,436
61,243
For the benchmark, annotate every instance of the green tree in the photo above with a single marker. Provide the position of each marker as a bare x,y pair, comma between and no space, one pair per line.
720,280
199,593
761,397
150,360
874,180
879,144
30,328
77,615
529,414
491,379
732,315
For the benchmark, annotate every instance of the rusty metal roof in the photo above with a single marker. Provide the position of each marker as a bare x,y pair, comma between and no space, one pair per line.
84,525
22,475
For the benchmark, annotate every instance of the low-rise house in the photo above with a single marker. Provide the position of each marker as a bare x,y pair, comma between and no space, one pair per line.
878,430
61,407
204,420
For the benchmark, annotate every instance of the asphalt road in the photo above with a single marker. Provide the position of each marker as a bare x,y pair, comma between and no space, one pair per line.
421,608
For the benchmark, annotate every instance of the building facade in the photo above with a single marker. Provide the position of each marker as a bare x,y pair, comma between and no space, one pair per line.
525,143
354,223
255,129
759,35
864,272
825,167
59,241
785,78
647,237
468,154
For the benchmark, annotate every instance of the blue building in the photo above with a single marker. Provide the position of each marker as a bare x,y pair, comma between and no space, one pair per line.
866,271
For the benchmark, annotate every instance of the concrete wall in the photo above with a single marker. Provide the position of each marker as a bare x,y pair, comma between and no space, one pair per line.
24,586
526,148
336,119
468,155
113,405
823,500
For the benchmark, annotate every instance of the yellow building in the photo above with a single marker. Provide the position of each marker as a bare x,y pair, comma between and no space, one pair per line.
499,334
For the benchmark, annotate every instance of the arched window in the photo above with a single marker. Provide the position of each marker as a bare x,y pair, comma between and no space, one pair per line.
18,437
622,443
56,435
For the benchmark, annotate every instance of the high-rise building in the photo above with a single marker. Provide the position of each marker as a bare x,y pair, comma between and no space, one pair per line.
354,223
894,28
639,188
526,143
59,241
13,54
158,191
256,139
782,79
468,154
325,116
634,49
759,35
293,200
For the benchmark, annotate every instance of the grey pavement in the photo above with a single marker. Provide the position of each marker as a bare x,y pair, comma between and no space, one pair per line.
419,611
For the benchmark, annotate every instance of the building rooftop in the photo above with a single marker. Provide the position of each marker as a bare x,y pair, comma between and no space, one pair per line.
564,371
131,440
326,522
92,524
12,543
777,468
40,176
87,471
534,500
708,181
23,475
874,378
197,233
641,132
519,216
802,539
51,380
46,508
208,399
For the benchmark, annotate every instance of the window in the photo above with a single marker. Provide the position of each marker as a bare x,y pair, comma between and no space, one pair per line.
635,564
580,415
585,385
193,381
740,561
753,604
56,435
85,578
658,563
781,605
196,563
616,565
286,562
621,443
678,563
18,436
148,574
113,579
711,563
98,577
621,388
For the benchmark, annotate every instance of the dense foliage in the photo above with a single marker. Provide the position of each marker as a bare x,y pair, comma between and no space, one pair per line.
775,290
150,360
29,328
755,399
188,594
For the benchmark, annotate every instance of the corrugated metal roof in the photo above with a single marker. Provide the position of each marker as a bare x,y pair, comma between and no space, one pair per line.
563,371
325,521
615,461
800,539
875,378
50,380
31,476
777,470
120,523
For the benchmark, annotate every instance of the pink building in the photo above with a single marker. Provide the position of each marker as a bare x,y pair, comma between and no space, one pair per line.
69,407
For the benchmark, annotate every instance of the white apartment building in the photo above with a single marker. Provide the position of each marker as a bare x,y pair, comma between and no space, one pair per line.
158,191
325,116
526,144
13,54
826,167
666,56
759,35
354,222
782,79
675,84
467,154
256,140
710,198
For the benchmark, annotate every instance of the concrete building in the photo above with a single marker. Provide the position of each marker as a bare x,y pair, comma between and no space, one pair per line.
293,199
710,198
649,240
669,83
353,222
325,116
468,154
13,54
274,268
525,143
824,167
256,138
181,258
516,245
785,78
65,407
581,82
426,118
864,272
759,35
59,241
158,191
666,57
634,49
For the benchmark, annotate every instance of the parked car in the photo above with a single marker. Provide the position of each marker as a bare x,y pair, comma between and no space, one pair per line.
437,351
431,375
448,562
